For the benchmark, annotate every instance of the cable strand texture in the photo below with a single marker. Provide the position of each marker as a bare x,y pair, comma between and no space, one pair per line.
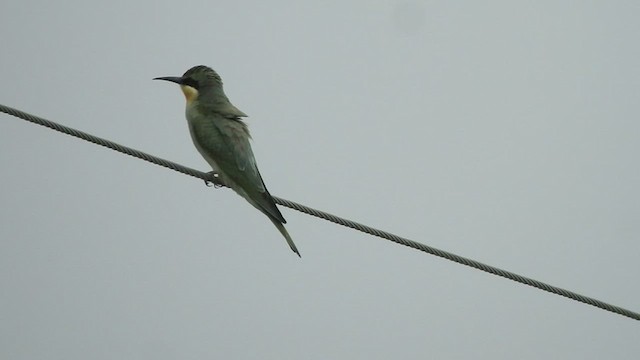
210,178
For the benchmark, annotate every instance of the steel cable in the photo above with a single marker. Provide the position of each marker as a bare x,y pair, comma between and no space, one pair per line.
210,178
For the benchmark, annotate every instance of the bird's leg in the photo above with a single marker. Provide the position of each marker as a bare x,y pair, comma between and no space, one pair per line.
214,179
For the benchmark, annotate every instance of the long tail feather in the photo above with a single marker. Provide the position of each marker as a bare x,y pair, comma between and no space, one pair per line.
286,235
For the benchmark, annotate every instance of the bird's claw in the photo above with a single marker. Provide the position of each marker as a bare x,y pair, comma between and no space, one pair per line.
214,180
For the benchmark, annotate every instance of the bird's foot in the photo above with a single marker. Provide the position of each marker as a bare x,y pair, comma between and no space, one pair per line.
214,180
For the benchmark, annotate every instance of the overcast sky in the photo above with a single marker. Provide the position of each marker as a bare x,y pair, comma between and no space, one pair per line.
504,131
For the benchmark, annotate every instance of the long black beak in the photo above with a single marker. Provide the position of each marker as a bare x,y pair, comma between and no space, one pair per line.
177,80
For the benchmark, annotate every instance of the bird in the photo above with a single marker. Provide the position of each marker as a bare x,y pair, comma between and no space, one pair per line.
222,137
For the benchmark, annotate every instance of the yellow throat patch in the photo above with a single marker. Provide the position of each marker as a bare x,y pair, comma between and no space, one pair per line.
189,92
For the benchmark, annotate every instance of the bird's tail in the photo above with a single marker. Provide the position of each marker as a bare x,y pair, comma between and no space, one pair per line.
286,235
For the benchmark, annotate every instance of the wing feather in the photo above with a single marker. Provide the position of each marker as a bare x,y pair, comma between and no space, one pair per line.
237,153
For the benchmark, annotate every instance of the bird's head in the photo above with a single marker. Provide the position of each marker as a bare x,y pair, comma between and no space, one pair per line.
195,81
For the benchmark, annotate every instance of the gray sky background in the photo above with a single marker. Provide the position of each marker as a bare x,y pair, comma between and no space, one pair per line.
504,131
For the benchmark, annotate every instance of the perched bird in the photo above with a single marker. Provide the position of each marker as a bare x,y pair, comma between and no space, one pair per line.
222,138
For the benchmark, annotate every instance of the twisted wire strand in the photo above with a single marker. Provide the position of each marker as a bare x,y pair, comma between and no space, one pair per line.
210,178
456,258
107,143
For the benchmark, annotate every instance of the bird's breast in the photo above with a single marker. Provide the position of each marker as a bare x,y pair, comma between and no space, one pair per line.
204,135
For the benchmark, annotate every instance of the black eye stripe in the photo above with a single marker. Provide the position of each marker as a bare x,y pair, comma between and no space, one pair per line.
190,82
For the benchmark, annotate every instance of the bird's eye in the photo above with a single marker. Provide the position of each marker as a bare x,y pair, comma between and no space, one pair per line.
190,82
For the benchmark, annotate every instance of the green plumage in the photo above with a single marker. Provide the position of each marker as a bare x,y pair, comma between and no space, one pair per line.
222,138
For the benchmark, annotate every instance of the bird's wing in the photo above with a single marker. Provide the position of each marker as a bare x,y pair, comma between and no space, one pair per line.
244,173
